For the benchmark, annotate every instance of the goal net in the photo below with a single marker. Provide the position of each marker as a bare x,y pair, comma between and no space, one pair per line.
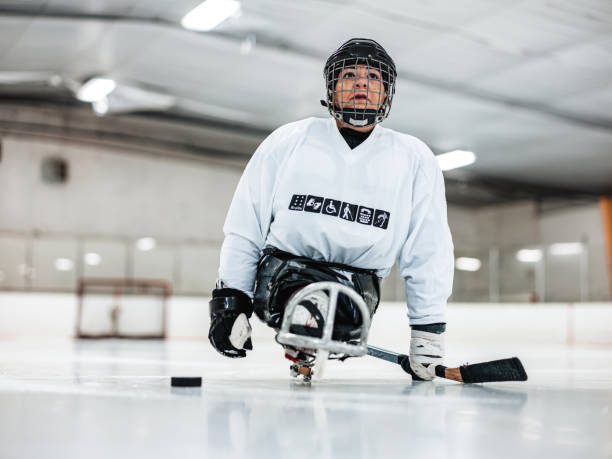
122,308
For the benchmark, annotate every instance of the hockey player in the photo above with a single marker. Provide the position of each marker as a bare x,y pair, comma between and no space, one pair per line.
337,199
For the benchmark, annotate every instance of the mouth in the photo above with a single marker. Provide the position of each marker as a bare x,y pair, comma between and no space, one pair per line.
362,97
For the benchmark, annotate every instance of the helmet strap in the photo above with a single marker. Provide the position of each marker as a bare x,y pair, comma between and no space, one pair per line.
359,118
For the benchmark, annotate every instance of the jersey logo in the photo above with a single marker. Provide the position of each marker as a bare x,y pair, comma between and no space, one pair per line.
349,211
381,219
331,207
313,204
297,202
345,210
365,215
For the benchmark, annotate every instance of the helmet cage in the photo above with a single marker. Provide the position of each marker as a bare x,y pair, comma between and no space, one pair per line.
378,97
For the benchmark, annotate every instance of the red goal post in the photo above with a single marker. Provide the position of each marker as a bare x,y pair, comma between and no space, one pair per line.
122,308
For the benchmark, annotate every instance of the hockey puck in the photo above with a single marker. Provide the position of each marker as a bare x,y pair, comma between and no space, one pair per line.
186,381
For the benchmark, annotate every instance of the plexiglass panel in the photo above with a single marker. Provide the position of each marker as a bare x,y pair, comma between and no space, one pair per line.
104,258
154,263
55,264
198,269
562,272
517,280
471,282
13,263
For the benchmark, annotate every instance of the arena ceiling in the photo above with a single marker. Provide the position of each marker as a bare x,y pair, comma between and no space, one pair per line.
526,85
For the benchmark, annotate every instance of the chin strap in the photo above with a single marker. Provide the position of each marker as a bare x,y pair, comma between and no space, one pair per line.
360,118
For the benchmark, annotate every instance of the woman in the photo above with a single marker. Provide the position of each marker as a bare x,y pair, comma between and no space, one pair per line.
338,199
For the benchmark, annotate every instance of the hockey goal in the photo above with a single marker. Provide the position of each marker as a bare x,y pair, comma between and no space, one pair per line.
122,308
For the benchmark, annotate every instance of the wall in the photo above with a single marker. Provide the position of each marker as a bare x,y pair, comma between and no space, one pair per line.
111,198
582,223
113,193
54,316
513,226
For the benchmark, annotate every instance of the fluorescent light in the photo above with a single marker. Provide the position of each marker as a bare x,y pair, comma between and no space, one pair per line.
92,259
64,264
455,159
55,80
468,264
529,255
145,244
208,15
96,89
565,248
248,44
100,106
9,77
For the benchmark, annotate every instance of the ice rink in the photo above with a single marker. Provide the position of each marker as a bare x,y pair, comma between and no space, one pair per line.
112,399
447,162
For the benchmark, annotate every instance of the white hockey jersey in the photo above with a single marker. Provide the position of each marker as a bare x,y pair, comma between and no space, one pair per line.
306,192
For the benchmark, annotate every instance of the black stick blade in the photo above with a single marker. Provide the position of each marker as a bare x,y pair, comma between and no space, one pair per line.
494,371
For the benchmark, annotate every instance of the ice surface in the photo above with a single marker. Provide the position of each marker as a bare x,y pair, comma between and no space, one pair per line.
112,399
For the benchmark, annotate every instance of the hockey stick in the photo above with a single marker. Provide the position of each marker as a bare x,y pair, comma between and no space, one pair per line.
493,371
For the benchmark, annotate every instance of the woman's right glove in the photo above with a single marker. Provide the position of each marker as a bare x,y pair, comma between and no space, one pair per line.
230,330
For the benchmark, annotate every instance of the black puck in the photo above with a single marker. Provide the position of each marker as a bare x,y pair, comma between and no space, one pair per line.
186,381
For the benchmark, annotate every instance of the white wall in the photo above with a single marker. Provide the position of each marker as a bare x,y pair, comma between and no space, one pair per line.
123,194
523,225
508,224
113,193
54,316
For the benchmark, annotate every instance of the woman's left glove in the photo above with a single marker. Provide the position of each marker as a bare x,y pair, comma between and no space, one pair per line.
426,350
230,330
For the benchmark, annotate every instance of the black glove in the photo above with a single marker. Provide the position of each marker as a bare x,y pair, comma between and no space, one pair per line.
230,330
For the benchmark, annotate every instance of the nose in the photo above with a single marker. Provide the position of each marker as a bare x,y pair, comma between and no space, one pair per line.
361,81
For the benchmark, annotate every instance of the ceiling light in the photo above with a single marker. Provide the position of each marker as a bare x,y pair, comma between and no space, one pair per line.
145,244
92,259
529,255
64,264
100,106
10,77
208,15
55,80
248,44
455,159
96,89
565,248
468,264
125,99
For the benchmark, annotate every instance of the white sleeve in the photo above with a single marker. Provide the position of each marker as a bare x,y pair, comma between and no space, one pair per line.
248,219
426,261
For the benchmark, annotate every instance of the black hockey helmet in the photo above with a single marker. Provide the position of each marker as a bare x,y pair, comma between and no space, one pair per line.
370,54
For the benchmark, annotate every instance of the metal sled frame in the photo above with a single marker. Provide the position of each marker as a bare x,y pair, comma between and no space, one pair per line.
326,342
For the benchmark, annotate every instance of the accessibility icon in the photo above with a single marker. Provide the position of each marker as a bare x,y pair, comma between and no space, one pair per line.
365,215
313,204
331,207
349,211
381,219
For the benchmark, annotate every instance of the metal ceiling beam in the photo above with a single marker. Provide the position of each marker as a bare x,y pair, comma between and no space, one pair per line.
165,137
283,46
138,132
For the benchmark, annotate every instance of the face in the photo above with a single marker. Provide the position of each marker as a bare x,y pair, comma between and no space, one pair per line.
359,87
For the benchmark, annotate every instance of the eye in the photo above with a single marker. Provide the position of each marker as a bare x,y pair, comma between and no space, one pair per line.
349,74
373,76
